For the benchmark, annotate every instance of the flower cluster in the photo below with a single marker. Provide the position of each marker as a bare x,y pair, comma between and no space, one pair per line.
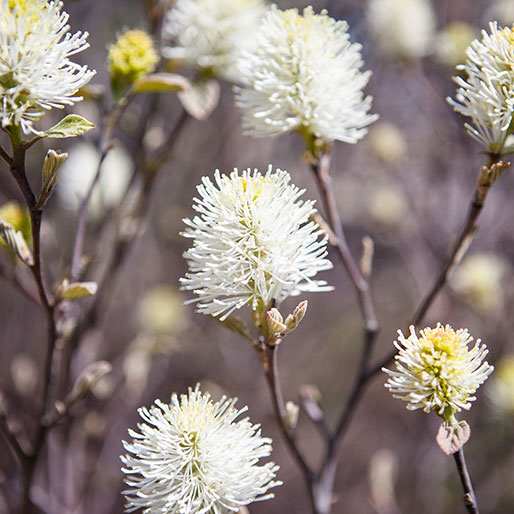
487,96
193,457
437,371
253,242
402,28
132,56
210,34
35,70
304,74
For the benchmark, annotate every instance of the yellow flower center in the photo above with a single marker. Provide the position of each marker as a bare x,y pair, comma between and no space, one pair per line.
28,9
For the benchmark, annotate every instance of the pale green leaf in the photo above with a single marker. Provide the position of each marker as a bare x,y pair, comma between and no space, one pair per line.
160,83
72,125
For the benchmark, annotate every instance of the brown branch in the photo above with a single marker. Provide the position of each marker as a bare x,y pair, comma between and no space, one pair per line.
456,254
12,439
469,494
5,156
19,174
104,145
270,365
320,168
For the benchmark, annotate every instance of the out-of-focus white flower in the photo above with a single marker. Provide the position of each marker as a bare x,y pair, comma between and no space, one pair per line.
437,371
487,96
252,243
193,457
500,390
452,42
78,172
161,310
387,142
35,70
402,29
304,74
387,205
210,34
479,278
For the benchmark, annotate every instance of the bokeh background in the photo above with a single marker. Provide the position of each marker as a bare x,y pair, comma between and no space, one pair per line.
407,185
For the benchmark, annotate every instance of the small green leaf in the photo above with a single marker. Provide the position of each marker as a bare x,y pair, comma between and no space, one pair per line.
160,83
53,161
72,125
75,290
14,240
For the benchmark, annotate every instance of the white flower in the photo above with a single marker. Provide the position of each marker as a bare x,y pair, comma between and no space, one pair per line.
437,371
303,74
35,70
211,33
487,96
480,278
402,28
452,42
253,243
193,457
79,170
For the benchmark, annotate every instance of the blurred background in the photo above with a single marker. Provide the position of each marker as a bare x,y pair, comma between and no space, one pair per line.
407,185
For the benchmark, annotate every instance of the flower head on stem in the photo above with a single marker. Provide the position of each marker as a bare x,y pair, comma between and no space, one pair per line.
487,96
304,75
437,371
191,457
253,243
35,70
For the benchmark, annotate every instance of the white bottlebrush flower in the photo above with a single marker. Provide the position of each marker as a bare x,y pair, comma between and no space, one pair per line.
303,74
211,33
35,70
402,29
192,457
252,242
438,371
451,43
487,96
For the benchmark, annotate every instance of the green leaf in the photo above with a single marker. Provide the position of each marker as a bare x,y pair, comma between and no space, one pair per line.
14,240
160,83
53,161
75,290
72,125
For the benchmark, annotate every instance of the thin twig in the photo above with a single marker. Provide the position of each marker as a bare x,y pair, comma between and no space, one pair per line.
459,247
5,156
270,365
469,494
105,144
12,439
320,168
10,276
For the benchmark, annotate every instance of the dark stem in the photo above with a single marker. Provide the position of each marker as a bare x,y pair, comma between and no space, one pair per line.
5,156
270,366
320,168
469,494
105,144
459,247
49,305
11,439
